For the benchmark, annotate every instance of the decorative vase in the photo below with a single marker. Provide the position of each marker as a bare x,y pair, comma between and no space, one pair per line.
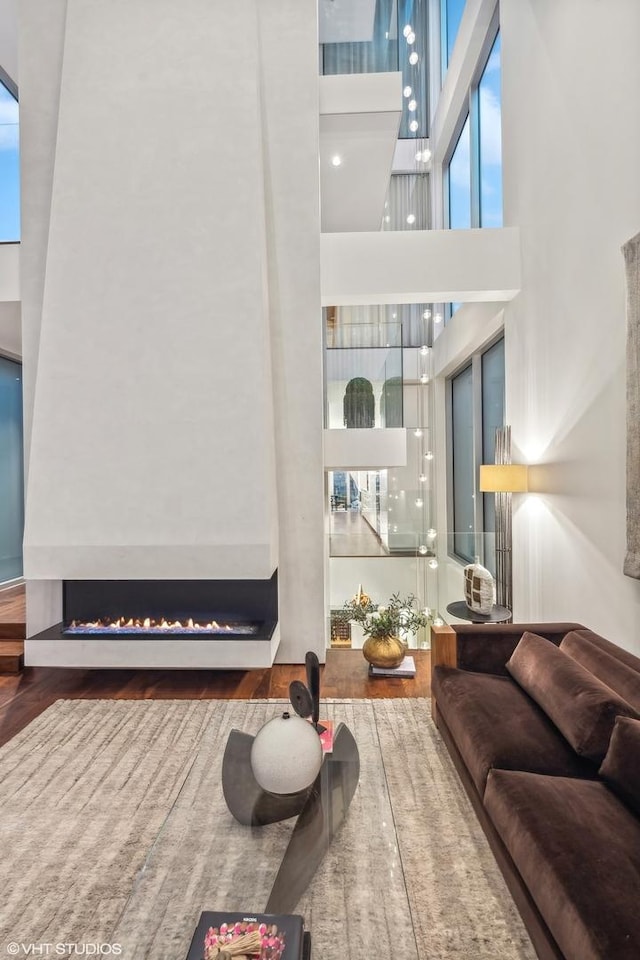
385,652
479,588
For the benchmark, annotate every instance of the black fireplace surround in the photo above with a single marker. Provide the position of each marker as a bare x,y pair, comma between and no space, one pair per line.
245,609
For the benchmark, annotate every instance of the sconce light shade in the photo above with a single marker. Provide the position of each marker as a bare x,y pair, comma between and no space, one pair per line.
504,478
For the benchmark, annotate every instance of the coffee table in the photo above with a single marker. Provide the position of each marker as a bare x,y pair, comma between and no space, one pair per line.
355,905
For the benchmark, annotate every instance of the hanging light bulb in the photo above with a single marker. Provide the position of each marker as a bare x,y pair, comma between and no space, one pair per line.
433,563
427,611
411,38
431,533
426,155
412,105
413,58
428,455
407,30
424,350
419,501
422,478
438,318
407,91
426,315
424,378
413,126
423,549
417,432
411,218
419,155
438,622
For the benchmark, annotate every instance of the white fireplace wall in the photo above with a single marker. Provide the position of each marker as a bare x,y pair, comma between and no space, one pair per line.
180,243
152,447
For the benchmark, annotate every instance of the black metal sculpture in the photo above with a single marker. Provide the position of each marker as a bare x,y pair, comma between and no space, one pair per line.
320,808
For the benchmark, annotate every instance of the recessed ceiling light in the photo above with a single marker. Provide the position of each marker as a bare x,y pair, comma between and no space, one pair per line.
336,160
413,126
407,91
407,30
427,314
411,37
411,218
412,105
413,58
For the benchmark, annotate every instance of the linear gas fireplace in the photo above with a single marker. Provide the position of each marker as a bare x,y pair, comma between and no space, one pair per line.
197,609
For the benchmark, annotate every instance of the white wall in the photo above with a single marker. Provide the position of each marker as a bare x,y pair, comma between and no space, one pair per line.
9,38
571,146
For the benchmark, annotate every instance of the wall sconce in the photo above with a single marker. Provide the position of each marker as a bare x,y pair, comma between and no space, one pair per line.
503,478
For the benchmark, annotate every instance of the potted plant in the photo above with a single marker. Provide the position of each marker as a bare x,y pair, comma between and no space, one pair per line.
384,625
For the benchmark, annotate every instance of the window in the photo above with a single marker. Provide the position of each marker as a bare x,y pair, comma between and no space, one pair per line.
460,182
492,417
473,175
476,408
11,474
463,460
450,16
490,140
9,168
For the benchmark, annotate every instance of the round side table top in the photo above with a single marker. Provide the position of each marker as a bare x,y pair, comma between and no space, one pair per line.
460,610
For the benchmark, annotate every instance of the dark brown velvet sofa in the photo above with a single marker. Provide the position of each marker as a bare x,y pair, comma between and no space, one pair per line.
545,734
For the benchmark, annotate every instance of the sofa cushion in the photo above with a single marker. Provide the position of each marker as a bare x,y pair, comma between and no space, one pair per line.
622,678
582,707
611,648
621,766
495,724
577,847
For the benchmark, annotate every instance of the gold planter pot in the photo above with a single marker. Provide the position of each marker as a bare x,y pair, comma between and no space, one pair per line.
384,651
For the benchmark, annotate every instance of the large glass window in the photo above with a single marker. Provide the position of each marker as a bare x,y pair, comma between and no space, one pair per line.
463,464
476,410
9,167
11,471
490,140
460,182
492,418
450,16
473,192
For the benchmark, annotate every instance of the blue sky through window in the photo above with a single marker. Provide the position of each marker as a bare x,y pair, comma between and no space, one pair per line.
460,182
452,11
9,167
490,139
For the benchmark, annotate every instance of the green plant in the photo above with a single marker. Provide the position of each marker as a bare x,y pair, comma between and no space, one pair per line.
385,620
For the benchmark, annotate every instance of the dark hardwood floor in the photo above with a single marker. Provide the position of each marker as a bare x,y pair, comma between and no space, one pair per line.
24,696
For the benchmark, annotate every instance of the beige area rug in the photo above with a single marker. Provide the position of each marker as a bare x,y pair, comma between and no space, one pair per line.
114,832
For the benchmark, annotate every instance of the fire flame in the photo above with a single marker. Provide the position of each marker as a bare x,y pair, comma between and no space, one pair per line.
147,623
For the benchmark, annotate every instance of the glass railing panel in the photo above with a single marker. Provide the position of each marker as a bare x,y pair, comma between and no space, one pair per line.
362,36
363,375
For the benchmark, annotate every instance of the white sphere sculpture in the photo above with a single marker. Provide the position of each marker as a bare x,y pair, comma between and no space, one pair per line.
286,755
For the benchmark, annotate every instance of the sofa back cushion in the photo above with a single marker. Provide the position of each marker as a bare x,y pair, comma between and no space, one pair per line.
582,707
582,645
621,766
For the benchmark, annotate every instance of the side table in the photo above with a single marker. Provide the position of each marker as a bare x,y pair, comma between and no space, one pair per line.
460,610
